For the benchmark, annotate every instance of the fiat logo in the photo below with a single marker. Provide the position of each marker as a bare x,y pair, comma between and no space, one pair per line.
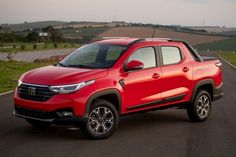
32,91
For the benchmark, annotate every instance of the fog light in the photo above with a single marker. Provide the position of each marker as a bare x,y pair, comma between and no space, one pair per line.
63,114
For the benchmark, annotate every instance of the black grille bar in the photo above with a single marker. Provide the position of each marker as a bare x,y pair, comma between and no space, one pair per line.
35,92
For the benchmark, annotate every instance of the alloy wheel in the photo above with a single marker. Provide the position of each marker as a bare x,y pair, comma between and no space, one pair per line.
203,106
101,120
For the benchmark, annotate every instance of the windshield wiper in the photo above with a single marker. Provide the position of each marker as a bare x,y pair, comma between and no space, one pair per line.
81,66
61,64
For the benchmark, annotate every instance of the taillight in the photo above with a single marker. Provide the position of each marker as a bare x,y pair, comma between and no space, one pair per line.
219,64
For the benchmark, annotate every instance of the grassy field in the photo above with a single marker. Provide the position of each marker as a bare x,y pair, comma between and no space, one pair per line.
229,56
11,71
84,32
222,45
18,47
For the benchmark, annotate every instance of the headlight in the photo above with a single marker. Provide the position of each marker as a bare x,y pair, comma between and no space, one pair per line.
64,89
19,82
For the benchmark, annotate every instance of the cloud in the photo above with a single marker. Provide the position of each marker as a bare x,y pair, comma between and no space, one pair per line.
183,12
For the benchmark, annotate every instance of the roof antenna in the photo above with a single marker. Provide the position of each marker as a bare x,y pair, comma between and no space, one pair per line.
153,33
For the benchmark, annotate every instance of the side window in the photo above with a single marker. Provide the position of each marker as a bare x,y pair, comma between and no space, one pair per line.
146,56
170,55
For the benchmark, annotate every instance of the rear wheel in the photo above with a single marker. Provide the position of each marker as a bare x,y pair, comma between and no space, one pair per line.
38,124
102,121
200,109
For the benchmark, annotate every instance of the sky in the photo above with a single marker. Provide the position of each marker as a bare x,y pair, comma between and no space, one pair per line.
166,12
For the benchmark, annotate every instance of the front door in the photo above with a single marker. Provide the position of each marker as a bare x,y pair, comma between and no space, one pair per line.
143,87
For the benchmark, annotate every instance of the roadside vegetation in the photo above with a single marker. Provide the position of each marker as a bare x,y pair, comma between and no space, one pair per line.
18,47
221,45
10,72
33,40
229,56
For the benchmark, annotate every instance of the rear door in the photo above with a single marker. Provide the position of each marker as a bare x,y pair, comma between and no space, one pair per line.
176,73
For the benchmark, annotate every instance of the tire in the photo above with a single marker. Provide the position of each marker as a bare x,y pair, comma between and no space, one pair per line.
200,109
38,124
99,124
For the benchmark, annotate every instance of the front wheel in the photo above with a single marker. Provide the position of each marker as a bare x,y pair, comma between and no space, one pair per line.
102,121
200,109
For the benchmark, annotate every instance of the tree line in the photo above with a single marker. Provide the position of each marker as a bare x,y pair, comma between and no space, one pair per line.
31,36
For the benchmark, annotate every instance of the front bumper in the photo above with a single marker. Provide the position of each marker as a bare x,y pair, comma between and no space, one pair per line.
75,101
48,116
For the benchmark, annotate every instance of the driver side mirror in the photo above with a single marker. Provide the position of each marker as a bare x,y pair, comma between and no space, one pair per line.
134,65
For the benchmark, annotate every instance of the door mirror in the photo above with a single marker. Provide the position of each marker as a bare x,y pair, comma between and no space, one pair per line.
134,65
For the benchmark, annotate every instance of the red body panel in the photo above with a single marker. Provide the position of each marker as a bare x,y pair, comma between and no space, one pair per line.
141,87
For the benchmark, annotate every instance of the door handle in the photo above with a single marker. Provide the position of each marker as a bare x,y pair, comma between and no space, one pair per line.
185,69
156,75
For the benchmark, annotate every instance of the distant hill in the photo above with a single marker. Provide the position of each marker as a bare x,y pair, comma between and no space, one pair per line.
145,32
32,25
229,33
214,29
222,45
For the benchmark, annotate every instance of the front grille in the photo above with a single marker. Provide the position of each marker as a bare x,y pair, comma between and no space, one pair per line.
34,92
35,113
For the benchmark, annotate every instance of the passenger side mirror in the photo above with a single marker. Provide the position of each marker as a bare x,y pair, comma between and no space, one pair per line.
134,65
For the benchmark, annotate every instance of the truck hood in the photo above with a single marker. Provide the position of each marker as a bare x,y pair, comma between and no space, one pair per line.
53,75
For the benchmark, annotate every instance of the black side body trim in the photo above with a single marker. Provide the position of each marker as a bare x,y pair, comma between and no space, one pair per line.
122,83
175,98
167,100
145,105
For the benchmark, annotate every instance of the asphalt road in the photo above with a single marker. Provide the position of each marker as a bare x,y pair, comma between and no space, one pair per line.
160,133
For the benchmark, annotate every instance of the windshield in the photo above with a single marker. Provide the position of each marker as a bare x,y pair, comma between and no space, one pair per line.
94,56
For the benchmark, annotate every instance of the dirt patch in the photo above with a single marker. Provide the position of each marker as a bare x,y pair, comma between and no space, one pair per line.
52,59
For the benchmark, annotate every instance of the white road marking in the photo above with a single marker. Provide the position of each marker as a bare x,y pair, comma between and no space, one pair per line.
6,93
227,61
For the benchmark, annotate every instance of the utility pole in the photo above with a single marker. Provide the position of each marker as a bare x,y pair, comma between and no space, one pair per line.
153,33
1,36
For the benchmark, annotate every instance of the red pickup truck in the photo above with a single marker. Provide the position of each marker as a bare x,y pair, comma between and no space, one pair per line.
94,85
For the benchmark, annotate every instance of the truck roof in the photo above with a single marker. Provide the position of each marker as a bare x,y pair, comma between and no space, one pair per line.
130,40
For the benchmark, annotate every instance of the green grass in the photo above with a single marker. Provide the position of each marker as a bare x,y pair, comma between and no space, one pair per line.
8,47
229,56
11,71
222,45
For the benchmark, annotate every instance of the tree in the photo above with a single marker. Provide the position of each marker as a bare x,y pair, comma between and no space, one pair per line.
32,37
56,34
7,37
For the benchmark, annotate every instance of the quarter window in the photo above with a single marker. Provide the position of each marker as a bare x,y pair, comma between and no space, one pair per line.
146,56
170,55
